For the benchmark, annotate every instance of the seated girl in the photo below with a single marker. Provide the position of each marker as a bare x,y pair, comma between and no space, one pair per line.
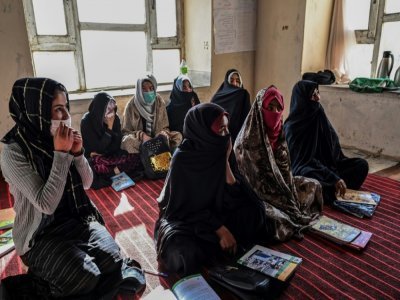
234,99
58,233
204,208
181,100
314,145
263,160
145,117
101,133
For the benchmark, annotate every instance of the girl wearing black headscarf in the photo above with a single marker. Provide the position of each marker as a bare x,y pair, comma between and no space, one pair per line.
181,100
314,145
203,207
101,133
234,99
58,233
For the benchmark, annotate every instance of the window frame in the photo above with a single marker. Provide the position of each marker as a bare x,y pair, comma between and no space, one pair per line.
372,35
72,40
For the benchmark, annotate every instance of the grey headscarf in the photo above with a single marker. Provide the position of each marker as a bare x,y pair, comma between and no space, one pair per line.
145,110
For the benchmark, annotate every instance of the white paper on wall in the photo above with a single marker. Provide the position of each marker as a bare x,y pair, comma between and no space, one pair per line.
234,25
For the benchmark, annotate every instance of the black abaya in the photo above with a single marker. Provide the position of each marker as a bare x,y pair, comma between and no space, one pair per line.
196,201
314,146
236,102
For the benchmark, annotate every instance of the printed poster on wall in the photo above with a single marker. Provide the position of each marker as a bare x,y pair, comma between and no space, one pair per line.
234,25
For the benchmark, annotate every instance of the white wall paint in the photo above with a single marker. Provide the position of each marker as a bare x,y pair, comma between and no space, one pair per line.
198,28
316,34
15,57
369,122
280,34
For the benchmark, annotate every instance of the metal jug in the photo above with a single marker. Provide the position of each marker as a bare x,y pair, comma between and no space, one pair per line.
384,66
397,78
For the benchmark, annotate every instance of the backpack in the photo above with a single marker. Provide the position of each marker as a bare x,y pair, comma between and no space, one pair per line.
156,157
321,77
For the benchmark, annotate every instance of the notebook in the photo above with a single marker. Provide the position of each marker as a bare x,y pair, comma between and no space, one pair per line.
121,181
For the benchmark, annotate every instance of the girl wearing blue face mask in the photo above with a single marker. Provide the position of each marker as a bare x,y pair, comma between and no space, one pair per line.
145,117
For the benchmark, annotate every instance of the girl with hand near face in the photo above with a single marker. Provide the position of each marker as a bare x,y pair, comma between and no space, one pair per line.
102,135
58,232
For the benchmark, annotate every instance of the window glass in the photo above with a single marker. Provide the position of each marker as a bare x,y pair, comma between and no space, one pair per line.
59,66
49,17
390,42
115,11
357,20
113,58
357,56
166,18
392,6
166,65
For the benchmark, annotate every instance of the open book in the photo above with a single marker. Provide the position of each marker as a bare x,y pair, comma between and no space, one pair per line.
341,233
193,287
7,216
6,242
270,262
121,181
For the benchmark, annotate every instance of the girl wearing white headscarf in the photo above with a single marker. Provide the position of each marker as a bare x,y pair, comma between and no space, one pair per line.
145,117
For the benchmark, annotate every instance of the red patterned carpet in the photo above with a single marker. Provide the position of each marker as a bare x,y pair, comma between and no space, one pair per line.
328,271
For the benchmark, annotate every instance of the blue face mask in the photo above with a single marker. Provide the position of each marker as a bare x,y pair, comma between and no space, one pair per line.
149,97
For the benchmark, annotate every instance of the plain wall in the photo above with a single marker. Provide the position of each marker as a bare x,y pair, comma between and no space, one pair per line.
280,35
316,34
198,29
15,57
369,122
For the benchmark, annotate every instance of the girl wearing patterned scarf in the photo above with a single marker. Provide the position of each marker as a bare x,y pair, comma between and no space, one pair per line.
263,160
56,224
145,117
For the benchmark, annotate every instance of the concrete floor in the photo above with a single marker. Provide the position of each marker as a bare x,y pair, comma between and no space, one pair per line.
376,164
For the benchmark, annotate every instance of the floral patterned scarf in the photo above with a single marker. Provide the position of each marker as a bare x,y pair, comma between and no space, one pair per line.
291,202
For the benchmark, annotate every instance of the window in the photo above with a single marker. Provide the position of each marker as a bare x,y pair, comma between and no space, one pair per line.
104,44
382,34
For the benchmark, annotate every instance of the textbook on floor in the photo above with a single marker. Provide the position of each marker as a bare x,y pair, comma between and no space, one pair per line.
270,262
7,216
341,233
6,242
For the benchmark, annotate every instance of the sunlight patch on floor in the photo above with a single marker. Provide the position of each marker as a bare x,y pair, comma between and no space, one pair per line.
124,206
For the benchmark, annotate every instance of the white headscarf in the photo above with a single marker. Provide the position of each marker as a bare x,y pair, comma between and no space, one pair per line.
238,74
179,81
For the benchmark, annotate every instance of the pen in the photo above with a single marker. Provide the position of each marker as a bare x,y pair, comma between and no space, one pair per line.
155,273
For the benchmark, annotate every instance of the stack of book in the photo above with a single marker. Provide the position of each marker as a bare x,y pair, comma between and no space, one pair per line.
341,233
358,203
